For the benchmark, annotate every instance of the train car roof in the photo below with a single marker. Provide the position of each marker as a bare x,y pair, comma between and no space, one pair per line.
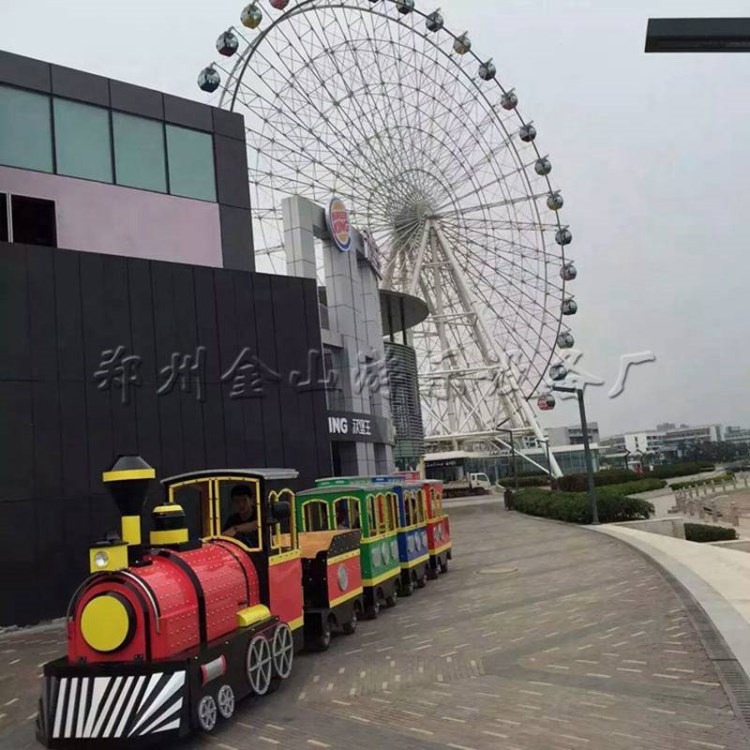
267,474
336,488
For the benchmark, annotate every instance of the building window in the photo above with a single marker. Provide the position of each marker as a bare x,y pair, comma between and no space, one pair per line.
139,153
191,163
3,217
25,130
83,144
33,221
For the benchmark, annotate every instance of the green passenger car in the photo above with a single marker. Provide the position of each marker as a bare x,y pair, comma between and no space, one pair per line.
341,504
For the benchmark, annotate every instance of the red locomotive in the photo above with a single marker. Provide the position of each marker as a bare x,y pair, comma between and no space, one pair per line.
164,638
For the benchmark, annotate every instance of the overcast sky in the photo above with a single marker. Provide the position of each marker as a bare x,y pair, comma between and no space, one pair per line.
651,153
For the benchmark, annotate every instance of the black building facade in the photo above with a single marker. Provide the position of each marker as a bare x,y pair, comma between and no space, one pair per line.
122,348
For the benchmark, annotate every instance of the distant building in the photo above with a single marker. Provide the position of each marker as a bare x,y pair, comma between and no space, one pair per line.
666,443
687,435
737,435
561,436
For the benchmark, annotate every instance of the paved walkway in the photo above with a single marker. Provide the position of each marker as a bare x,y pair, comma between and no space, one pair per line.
541,637
718,578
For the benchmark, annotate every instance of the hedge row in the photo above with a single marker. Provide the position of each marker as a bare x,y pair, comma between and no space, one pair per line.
681,470
575,507
579,482
632,488
727,476
701,532
533,481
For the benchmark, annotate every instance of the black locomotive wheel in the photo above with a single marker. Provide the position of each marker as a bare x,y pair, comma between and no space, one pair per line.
407,587
225,702
206,713
320,637
390,601
422,581
349,628
373,610
432,572
444,565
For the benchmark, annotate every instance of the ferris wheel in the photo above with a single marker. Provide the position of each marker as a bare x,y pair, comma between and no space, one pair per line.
379,103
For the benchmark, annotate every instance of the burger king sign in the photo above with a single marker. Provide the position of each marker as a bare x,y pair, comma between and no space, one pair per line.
337,217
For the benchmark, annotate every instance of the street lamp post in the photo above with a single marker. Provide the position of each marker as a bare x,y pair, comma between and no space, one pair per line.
513,458
586,448
549,465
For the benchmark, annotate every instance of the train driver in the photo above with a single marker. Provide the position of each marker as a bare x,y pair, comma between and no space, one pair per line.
243,523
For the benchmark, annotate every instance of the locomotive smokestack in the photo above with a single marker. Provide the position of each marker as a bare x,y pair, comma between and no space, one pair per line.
128,481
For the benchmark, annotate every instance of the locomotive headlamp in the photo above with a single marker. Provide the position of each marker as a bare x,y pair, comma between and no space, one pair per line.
108,622
101,559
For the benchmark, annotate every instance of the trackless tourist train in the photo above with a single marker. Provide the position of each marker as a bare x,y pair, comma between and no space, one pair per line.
238,575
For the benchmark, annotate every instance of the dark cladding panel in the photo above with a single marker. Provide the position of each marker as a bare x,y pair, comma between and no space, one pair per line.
165,322
172,453
83,87
15,354
319,404
231,172
271,402
230,347
74,439
187,113
21,601
47,445
142,319
16,439
98,432
252,408
186,342
117,302
106,327
193,433
42,314
237,238
24,72
234,428
207,334
136,100
296,417
69,315
213,426
148,426
230,124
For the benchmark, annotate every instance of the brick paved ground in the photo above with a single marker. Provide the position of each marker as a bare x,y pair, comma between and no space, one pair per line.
541,637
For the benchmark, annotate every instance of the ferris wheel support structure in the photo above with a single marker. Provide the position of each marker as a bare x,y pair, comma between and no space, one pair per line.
498,369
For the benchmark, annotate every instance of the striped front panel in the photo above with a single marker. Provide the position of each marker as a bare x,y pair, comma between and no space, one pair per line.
118,707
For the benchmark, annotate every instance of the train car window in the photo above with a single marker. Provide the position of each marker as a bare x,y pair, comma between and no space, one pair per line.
231,511
315,516
382,515
194,499
392,519
346,513
421,514
284,536
438,503
372,526
408,521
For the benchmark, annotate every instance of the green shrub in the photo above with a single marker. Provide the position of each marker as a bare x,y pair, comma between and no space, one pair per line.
632,488
681,470
574,507
579,482
530,481
702,532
